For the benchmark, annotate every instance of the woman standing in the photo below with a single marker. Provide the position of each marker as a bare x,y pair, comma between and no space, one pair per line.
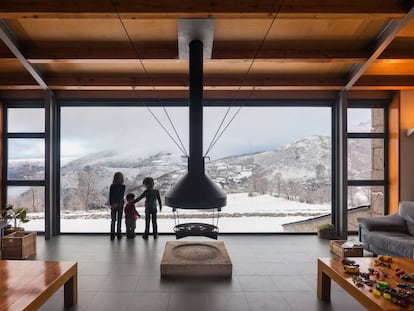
116,200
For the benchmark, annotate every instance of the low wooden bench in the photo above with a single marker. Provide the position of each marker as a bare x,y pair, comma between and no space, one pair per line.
27,285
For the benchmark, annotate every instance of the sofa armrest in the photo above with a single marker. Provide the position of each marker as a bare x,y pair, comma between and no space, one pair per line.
393,222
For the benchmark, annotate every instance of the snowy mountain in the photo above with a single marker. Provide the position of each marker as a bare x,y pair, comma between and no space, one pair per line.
309,157
299,171
85,182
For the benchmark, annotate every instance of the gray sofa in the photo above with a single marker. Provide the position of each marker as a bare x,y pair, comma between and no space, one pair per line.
390,235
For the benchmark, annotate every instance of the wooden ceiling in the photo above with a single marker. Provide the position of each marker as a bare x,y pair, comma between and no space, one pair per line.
261,48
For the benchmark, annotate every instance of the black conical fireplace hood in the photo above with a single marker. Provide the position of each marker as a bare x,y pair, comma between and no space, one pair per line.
196,190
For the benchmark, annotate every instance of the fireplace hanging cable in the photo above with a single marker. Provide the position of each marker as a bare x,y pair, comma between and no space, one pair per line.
212,229
179,144
217,136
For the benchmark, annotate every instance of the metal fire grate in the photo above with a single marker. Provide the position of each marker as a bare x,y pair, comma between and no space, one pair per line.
196,229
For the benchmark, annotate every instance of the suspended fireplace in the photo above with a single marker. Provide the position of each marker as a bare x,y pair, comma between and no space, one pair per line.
196,190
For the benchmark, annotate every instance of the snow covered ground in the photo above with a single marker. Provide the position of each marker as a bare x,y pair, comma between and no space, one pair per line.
243,213
225,224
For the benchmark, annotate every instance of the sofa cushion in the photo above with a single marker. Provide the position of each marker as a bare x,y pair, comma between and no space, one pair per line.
410,228
406,211
393,222
394,242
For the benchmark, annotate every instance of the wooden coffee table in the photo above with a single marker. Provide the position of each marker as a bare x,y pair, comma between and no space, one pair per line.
332,268
26,285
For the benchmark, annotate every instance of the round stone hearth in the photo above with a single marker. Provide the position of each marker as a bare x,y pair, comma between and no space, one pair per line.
196,259
195,252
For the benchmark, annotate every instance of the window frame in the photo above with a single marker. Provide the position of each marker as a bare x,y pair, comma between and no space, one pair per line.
372,104
298,103
19,135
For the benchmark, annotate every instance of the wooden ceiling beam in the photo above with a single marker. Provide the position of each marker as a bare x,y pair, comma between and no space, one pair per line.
211,83
179,82
152,96
239,50
100,54
221,50
9,39
11,9
385,82
211,94
169,51
384,39
231,81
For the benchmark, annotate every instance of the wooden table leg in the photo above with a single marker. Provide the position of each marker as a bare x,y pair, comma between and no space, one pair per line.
324,286
71,291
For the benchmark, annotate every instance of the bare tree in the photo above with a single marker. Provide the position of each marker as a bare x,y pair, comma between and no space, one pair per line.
287,190
32,190
86,180
277,183
264,186
292,190
320,171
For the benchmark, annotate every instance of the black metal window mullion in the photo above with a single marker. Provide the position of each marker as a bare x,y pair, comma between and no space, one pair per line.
5,158
366,136
26,183
366,183
25,135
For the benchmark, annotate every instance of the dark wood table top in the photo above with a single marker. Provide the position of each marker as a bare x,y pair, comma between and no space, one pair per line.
28,284
333,267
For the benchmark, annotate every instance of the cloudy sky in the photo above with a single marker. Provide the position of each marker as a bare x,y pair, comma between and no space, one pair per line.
86,130
91,129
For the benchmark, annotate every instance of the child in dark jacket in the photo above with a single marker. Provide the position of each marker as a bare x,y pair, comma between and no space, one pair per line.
151,196
131,216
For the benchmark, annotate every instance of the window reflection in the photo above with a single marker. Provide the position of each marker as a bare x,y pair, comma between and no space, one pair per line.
364,202
365,159
366,120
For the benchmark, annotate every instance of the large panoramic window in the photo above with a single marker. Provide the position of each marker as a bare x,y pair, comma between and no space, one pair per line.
274,163
25,159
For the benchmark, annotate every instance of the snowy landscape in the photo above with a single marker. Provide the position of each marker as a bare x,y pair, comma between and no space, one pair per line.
262,213
265,189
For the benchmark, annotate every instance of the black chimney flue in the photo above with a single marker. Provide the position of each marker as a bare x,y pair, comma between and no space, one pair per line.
196,161
196,190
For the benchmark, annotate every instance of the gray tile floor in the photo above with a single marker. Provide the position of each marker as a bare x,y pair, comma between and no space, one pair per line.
270,272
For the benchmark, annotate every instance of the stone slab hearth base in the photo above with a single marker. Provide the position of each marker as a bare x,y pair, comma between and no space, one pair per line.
196,259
